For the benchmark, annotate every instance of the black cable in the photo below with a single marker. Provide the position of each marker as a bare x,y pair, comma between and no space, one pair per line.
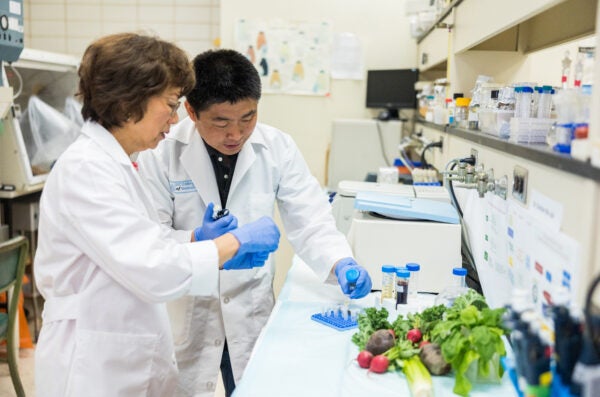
468,261
591,319
424,163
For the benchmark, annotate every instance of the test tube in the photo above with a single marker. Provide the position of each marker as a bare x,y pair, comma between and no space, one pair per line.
414,269
544,103
352,277
524,104
402,282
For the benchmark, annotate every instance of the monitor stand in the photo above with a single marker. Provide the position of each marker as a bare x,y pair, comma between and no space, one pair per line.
388,114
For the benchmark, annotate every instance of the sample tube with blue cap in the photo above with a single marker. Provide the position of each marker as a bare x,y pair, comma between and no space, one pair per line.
414,269
352,276
388,280
402,281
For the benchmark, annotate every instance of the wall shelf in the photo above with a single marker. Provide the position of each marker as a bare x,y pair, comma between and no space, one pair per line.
541,154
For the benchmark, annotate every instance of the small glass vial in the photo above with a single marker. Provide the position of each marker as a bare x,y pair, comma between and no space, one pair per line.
414,269
388,276
402,283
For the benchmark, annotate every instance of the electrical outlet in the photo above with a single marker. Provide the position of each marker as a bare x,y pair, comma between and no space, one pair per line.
519,187
475,154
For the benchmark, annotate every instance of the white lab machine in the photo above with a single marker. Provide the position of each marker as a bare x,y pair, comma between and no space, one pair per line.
397,224
374,142
27,153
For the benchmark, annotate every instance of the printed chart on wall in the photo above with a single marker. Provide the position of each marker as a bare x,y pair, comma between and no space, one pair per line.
514,249
291,57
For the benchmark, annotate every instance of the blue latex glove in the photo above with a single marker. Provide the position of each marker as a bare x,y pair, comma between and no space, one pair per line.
257,240
247,261
211,228
363,284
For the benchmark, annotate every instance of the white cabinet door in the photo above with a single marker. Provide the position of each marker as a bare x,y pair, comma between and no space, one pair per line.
433,50
478,20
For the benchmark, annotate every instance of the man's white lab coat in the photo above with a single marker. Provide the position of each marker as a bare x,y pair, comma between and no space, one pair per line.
269,168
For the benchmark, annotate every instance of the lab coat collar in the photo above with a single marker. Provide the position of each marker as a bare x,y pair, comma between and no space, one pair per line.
106,141
197,164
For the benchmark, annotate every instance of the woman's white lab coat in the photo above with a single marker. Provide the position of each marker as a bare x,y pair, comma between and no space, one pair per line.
269,168
105,266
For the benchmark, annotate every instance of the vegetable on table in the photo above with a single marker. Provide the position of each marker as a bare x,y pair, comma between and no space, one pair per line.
379,364
381,341
364,359
432,358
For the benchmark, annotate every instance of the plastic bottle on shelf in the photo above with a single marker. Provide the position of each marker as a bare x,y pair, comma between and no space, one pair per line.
456,288
388,280
414,269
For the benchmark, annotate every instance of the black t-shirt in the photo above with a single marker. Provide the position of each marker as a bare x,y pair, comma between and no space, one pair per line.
223,166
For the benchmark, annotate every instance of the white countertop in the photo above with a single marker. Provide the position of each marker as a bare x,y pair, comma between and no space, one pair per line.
296,356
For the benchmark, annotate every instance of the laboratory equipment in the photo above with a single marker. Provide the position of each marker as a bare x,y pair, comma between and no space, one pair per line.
414,269
388,280
523,97
544,104
389,228
352,277
221,213
337,318
45,79
402,286
374,142
456,287
391,90
461,113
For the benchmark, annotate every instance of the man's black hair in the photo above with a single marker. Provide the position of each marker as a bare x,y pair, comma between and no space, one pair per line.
223,76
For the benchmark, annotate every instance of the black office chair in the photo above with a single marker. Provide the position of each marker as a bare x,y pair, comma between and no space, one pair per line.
12,267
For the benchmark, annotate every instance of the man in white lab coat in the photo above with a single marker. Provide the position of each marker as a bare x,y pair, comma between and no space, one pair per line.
219,154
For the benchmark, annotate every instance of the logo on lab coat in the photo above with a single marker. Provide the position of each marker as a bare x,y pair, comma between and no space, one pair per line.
178,187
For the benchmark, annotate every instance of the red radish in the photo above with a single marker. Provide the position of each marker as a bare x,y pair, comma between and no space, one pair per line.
423,343
364,358
414,335
379,364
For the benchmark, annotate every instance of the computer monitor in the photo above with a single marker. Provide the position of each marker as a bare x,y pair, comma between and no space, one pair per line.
391,90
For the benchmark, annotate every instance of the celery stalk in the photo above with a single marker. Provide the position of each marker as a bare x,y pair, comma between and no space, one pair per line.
418,377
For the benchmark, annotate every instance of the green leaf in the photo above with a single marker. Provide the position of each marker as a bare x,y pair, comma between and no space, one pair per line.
469,315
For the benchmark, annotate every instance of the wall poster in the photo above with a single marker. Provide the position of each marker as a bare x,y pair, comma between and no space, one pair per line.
291,57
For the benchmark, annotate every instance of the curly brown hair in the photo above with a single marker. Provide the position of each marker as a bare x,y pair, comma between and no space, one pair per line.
119,73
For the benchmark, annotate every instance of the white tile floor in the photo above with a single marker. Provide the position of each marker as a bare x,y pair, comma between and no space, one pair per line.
26,366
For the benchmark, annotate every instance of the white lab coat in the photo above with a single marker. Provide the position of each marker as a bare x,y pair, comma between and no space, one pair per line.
105,265
269,168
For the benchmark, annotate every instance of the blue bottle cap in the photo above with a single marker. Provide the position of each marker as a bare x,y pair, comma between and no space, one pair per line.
459,271
388,269
527,90
352,275
403,273
413,267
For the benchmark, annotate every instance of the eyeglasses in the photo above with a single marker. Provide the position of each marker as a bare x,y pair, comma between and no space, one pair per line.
174,108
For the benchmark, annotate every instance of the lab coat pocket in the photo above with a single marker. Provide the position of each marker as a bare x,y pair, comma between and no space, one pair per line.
111,364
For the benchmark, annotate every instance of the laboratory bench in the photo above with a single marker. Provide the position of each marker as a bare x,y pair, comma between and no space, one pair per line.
296,356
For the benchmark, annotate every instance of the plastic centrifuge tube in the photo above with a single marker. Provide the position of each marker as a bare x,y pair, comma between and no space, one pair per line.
414,269
352,277
544,103
388,279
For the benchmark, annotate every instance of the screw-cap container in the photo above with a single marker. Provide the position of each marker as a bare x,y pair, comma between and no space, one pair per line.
414,269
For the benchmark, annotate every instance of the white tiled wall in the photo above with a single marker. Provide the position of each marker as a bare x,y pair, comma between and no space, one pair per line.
68,26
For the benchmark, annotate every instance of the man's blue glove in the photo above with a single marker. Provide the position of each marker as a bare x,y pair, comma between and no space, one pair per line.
212,228
353,278
257,240
247,261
